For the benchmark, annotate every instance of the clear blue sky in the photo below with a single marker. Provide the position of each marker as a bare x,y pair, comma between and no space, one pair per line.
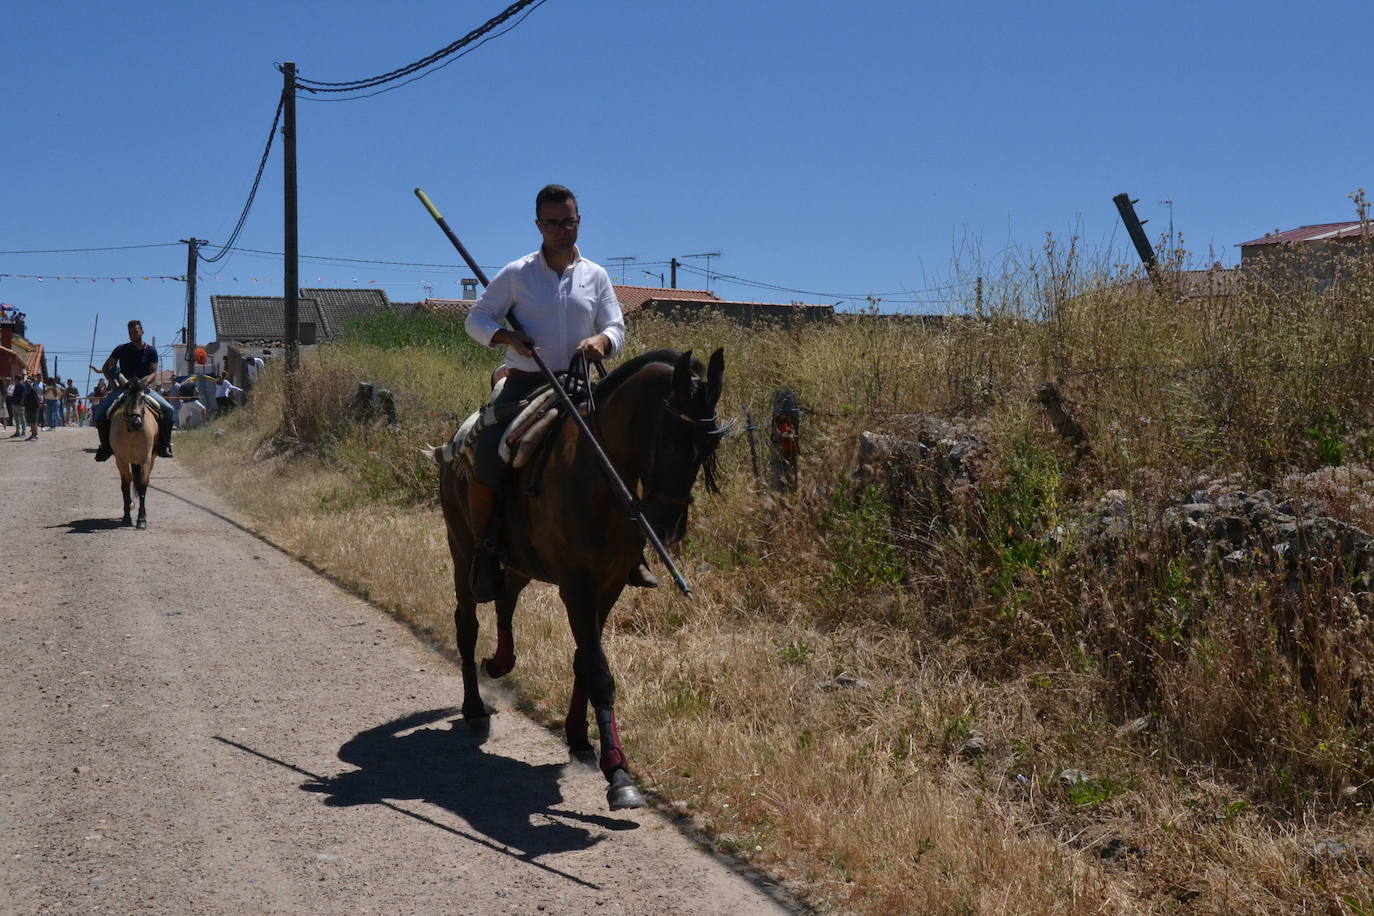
833,148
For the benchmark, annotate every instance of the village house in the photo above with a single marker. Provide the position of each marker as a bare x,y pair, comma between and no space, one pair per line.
18,355
1320,252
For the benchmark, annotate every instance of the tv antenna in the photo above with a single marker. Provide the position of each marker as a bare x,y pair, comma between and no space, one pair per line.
708,255
623,261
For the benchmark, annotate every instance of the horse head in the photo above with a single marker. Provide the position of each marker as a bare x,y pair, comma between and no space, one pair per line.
687,432
134,390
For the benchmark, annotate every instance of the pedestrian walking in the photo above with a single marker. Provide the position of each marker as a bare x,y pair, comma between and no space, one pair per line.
53,393
33,405
14,393
224,394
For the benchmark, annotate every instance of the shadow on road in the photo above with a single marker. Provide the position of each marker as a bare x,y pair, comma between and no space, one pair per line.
91,525
509,801
509,804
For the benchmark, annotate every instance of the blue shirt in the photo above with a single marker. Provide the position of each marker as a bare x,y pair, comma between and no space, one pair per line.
135,360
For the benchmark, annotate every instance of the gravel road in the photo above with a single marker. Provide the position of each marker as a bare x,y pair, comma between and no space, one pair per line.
193,722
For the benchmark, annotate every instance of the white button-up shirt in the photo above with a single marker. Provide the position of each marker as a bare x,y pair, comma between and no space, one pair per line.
558,312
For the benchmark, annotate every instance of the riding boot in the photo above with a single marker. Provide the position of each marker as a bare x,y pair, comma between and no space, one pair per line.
164,439
641,576
486,577
104,452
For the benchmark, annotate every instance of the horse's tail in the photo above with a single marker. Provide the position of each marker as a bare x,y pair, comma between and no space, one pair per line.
436,452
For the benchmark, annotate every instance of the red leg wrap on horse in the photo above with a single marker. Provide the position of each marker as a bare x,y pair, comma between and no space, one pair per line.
612,760
504,660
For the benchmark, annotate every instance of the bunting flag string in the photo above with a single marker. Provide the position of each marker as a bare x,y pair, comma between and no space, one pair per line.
329,282
45,277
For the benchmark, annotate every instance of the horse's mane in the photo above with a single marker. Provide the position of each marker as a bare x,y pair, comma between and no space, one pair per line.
617,376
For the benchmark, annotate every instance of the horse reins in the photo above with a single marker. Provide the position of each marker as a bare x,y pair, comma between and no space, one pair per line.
710,428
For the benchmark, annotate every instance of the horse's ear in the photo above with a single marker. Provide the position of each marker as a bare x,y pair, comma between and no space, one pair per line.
148,379
682,379
715,376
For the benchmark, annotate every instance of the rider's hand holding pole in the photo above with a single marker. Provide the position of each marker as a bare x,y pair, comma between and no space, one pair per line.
518,341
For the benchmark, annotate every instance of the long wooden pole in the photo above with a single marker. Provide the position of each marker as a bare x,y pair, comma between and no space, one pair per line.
94,328
621,491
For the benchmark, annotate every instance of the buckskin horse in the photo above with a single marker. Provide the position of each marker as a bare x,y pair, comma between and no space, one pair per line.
133,433
655,415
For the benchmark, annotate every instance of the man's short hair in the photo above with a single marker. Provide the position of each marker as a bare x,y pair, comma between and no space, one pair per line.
553,194
136,322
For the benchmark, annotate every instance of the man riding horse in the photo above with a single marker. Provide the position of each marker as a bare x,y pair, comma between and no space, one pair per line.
135,360
565,305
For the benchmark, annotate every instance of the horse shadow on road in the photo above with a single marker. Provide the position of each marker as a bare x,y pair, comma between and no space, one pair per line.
91,525
512,803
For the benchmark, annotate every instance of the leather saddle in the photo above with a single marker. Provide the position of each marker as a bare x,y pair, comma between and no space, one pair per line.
148,401
527,423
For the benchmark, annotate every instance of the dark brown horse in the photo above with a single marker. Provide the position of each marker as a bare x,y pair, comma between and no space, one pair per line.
656,418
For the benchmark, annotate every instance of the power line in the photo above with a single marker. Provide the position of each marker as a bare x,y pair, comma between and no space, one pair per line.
321,257
106,248
758,284
476,38
252,193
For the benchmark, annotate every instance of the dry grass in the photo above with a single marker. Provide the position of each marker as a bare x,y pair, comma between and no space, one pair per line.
807,709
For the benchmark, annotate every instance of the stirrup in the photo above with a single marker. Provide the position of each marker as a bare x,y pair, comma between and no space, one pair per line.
487,578
642,577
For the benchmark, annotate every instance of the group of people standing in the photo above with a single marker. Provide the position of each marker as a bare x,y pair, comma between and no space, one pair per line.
31,403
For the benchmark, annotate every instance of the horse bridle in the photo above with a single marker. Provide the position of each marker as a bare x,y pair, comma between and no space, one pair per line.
134,409
709,428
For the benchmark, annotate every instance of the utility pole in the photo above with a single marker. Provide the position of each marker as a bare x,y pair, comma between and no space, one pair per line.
673,263
291,266
192,255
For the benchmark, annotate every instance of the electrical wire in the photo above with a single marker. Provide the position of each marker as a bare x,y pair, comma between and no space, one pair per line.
253,192
107,248
476,38
758,284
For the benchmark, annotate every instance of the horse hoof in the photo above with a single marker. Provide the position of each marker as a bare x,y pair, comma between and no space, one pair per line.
127,522
583,753
623,793
476,713
142,524
492,670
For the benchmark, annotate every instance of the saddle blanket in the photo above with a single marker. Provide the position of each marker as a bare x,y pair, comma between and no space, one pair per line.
527,423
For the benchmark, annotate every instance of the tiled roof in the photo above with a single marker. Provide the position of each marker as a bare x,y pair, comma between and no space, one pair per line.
250,317
1212,283
675,299
1317,232
631,298
259,317
456,308
339,305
